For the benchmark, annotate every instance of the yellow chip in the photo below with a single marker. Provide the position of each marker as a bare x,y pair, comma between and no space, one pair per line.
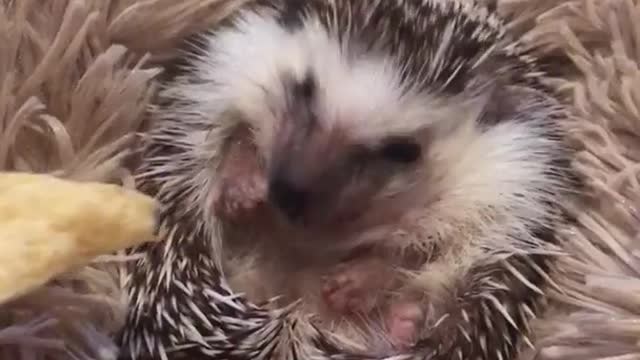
49,226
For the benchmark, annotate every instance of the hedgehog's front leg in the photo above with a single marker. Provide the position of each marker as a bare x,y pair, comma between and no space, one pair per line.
355,286
242,186
361,286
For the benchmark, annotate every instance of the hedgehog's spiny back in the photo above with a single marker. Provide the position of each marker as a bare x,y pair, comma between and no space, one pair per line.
437,44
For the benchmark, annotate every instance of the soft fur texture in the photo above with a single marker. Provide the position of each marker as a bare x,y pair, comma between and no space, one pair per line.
75,83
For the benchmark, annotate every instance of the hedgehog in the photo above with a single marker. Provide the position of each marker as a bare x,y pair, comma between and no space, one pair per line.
350,179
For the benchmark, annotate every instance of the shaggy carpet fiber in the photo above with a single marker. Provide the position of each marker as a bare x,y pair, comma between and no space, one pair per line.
76,76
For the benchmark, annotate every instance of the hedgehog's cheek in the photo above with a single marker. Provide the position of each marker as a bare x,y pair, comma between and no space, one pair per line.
357,207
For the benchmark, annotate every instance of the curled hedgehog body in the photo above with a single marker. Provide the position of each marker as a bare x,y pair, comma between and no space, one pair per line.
411,125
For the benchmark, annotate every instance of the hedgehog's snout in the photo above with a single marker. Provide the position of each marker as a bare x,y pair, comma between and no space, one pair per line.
292,200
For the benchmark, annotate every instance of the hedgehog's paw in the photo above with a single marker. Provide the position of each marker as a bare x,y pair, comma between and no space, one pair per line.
403,321
352,286
237,197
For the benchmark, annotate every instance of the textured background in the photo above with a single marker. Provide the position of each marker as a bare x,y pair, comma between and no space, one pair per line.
75,76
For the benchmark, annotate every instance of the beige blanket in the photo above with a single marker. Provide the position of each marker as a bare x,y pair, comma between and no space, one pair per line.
75,78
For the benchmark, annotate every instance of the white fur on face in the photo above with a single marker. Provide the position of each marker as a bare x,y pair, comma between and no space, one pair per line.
362,94
488,178
496,182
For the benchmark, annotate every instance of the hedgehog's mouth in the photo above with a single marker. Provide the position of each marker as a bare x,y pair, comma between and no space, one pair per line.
312,221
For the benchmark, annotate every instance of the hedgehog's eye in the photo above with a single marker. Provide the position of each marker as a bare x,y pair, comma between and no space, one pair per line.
401,150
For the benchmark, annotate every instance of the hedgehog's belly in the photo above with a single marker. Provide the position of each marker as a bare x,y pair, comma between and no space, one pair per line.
353,300
378,326
369,300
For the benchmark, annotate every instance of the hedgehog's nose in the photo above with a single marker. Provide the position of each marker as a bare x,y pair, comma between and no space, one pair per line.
292,200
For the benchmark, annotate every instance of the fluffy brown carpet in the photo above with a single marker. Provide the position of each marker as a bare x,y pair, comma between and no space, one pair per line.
76,76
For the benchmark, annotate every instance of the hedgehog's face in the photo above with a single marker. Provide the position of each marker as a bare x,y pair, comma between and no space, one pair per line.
324,173
340,133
